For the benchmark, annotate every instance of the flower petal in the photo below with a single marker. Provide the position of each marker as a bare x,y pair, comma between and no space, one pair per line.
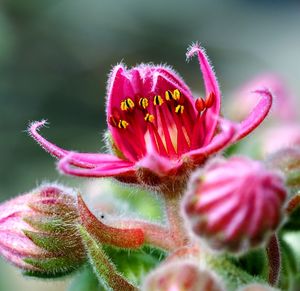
220,141
211,86
157,163
53,149
118,88
257,115
162,83
172,75
113,168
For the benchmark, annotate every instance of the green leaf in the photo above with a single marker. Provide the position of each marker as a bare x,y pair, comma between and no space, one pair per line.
51,267
254,262
47,224
232,276
86,280
102,266
47,241
135,264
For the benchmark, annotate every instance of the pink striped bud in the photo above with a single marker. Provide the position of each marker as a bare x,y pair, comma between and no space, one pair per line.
235,204
38,232
183,276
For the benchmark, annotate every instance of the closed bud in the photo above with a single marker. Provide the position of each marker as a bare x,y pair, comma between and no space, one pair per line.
181,275
235,204
38,232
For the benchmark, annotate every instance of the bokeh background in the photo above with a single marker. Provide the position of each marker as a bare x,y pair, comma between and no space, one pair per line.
55,56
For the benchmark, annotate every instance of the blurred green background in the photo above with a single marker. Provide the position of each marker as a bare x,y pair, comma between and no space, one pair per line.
55,56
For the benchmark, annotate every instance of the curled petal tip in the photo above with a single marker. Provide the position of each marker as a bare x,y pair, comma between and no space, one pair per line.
53,149
193,49
258,114
35,126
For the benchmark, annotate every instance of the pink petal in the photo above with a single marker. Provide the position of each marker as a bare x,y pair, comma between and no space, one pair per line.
91,160
83,160
161,83
119,87
107,169
257,115
211,85
158,164
175,78
53,149
220,141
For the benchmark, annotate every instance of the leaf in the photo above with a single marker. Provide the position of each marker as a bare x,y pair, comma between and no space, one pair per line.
254,262
86,280
51,267
102,266
232,276
135,264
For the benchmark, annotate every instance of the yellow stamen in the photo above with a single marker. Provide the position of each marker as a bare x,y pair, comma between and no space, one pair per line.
123,124
158,100
168,95
179,109
143,102
176,94
127,104
149,117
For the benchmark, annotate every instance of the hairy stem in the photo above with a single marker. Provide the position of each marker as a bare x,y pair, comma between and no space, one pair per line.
274,259
177,230
154,234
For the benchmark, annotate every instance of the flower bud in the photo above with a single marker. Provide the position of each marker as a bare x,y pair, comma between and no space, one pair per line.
38,232
183,276
235,204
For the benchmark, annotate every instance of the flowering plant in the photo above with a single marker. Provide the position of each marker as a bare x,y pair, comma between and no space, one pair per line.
221,215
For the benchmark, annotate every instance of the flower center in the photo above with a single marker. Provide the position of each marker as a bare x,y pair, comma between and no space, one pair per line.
168,121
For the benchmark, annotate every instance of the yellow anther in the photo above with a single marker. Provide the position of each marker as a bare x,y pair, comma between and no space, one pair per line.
123,124
127,104
149,117
179,109
176,94
168,95
143,102
158,100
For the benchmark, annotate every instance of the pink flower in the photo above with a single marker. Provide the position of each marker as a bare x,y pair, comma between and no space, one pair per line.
156,126
38,232
235,204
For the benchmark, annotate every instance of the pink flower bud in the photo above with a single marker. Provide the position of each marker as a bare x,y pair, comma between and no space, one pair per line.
236,203
38,232
183,276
